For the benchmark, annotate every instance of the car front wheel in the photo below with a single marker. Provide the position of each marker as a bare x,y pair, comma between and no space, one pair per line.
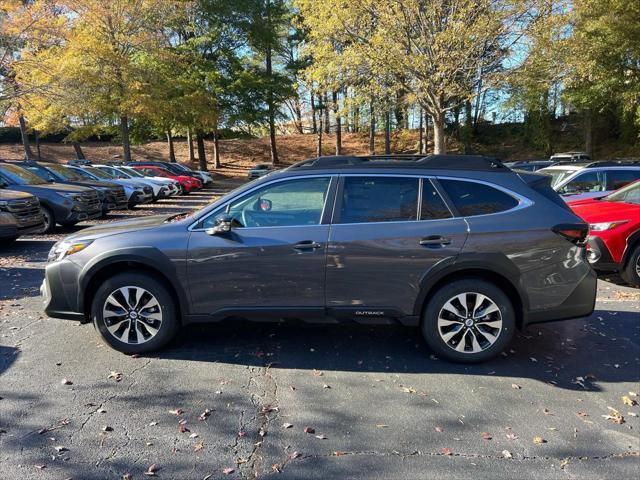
134,313
631,272
468,321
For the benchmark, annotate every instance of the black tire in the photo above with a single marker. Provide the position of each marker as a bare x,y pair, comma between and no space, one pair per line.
631,271
443,349
168,327
49,219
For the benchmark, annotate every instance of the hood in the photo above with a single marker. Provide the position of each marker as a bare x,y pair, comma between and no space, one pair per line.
124,226
602,211
52,187
94,184
14,195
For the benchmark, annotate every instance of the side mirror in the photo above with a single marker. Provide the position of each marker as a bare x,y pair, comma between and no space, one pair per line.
222,224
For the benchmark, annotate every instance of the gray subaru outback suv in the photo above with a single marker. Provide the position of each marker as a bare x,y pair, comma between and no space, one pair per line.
460,246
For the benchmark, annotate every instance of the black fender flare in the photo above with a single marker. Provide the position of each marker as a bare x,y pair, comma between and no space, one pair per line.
492,263
151,257
633,239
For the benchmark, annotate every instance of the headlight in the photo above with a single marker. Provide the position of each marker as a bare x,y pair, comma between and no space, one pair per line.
65,248
601,227
3,204
72,196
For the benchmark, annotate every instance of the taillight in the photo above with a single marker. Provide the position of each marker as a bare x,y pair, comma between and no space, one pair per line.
574,232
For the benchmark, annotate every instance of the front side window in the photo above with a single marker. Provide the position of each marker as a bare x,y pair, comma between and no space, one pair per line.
584,182
619,178
379,199
289,203
471,198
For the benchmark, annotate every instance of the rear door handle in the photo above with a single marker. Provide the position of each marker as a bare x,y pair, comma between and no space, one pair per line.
306,245
435,241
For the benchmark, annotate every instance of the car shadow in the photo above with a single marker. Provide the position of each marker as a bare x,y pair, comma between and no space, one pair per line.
8,355
574,354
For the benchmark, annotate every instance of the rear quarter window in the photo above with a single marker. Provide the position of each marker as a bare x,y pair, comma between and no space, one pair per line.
471,198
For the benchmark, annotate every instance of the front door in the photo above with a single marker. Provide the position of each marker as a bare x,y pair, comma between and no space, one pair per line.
388,233
273,259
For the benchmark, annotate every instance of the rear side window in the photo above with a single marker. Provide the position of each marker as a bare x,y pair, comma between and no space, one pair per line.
472,198
619,178
433,207
379,199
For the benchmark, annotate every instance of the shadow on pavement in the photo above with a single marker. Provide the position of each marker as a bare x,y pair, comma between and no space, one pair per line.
560,354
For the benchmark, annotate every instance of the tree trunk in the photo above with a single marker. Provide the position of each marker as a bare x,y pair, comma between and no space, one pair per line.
439,141
420,133
202,154
172,152
28,154
319,133
387,132
355,124
36,135
588,132
216,147
313,114
78,149
270,102
338,124
325,101
426,132
298,113
192,156
372,129
126,144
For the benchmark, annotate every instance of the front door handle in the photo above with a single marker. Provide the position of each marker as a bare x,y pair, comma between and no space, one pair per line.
306,245
435,241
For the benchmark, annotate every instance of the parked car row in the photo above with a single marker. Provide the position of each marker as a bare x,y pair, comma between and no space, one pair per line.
35,196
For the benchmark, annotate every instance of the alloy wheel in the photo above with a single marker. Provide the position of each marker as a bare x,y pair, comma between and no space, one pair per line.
469,322
638,266
132,315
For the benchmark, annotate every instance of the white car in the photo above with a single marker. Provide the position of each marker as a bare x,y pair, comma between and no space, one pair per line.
157,187
137,192
171,187
577,181
205,177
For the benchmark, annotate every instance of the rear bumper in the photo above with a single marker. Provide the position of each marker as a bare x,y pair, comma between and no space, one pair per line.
580,303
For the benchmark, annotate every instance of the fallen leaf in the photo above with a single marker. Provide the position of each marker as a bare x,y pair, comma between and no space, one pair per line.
515,386
153,424
546,411
583,414
287,425
60,449
66,381
629,401
177,411
408,390
242,433
151,471
486,436
339,454
262,432
507,454
446,451
439,429
381,425
564,463
127,476
317,373
324,385
194,435
539,440
294,455
321,437
204,415
228,470
107,428
198,446
309,430
633,394
40,467
116,376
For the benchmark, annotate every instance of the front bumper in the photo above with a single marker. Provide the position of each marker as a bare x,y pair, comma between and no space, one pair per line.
8,231
77,216
59,291
599,255
140,198
580,303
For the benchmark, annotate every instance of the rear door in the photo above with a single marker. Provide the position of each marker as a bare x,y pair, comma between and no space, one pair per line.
387,232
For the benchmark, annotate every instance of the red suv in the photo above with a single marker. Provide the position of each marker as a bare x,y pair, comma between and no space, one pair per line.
189,184
614,237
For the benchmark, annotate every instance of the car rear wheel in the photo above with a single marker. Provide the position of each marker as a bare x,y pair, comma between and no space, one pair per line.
468,321
631,272
134,313
49,219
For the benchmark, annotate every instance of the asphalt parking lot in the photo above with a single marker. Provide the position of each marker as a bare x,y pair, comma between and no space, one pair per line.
240,400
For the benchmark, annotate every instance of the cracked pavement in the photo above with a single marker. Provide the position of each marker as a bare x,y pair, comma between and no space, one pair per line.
379,404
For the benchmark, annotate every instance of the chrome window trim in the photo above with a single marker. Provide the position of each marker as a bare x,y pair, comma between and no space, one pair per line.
225,205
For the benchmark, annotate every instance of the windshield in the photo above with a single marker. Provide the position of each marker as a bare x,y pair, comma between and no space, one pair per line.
65,173
628,194
173,169
557,174
81,173
98,173
132,173
20,176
